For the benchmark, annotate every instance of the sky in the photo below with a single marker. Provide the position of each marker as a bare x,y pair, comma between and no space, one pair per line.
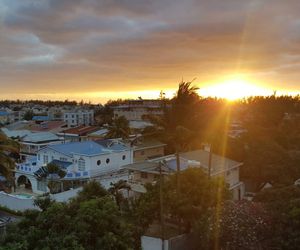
106,49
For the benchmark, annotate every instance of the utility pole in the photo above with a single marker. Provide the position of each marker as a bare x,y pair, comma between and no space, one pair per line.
162,226
209,161
177,171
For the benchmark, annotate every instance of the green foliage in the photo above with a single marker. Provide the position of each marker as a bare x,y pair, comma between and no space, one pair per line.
92,221
119,128
10,211
283,205
7,148
28,115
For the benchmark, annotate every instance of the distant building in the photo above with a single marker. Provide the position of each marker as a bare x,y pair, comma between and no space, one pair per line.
77,134
136,110
6,117
79,117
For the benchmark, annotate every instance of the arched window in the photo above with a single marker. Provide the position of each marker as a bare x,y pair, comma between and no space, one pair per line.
99,162
107,160
123,157
81,164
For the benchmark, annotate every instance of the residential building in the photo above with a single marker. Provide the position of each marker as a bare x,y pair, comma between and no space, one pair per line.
31,142
81,161
145,149
79,117
6,117
79,133
148,171
136,110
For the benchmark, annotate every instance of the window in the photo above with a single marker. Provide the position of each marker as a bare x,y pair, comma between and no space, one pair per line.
46,159
63,159
99,162
123,157
81,164
142,152
107,160
39,157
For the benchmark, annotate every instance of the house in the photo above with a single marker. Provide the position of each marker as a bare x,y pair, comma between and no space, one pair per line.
31,142
144,149
48,126
98,134
5,117
81,161
40,118
136,110
79,133
148,171
79,117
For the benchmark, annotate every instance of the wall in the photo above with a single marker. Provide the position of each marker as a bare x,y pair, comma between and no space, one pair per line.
15,203
21,204
151,243
144,154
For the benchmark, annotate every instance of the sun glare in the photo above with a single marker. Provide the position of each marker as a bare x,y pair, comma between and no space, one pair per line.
233,89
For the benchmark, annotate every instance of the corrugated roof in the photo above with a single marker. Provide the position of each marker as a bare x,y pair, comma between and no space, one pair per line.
80,130
40,137
218,163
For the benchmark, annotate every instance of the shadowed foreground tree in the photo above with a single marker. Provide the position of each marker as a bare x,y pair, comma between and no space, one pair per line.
7,147
91,221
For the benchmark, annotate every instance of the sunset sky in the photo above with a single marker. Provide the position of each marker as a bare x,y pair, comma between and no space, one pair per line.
96,50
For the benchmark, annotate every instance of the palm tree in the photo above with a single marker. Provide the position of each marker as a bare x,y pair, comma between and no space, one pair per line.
115,190
179,123
119,129
7,147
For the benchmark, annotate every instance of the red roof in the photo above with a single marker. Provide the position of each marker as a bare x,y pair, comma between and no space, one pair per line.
81,130
47,126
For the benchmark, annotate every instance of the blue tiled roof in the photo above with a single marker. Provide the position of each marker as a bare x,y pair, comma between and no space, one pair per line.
40,118
88,148
3,113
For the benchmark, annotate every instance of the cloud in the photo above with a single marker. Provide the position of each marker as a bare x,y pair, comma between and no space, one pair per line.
120,45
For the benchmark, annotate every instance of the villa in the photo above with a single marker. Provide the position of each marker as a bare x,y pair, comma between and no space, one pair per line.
81,161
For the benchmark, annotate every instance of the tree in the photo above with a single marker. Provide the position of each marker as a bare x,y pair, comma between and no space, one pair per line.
7,147
283,205
115,191
28,115
119,128
234,225
179,123
91,222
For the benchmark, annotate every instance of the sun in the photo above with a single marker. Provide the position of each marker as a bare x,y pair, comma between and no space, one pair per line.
233,89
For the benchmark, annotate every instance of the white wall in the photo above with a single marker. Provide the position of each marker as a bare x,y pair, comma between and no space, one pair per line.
15,203
150,243
21,204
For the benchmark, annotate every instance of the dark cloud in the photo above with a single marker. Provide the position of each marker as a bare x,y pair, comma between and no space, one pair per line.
90,45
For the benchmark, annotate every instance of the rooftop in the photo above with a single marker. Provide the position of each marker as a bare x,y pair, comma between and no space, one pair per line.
47,126
40,137
80,130
88,148
197,158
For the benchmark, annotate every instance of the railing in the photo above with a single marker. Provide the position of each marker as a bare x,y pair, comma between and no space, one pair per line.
26,167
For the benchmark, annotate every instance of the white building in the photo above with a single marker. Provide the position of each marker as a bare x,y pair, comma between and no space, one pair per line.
79,117
135,110
80,160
